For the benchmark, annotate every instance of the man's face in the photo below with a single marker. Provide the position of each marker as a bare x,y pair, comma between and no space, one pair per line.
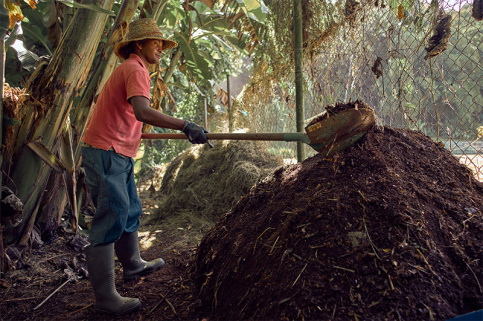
151,50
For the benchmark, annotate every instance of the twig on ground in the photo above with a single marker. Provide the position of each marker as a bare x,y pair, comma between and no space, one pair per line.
172,307
299,274
21,299
369,237
51,294
159,303
53,257
71,278
273,246
426,261
478,282
333,311
81,309
342,268
289,298
255,246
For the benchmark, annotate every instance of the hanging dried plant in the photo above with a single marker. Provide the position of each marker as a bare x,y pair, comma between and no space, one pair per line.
377,67
350,11
478,10
440,39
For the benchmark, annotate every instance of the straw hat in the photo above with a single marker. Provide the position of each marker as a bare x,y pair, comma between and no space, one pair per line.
139,30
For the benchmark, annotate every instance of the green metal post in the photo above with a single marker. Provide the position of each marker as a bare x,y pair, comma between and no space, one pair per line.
230,111
299,81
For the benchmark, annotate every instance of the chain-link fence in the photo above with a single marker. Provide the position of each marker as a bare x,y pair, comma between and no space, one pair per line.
418,67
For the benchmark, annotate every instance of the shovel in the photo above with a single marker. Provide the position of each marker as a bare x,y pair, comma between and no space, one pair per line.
327,134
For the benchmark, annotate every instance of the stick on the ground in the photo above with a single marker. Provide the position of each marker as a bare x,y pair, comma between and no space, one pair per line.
157,305
172,307
71,278
87,306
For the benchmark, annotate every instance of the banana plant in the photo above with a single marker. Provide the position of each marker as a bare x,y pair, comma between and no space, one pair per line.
204,30
48,109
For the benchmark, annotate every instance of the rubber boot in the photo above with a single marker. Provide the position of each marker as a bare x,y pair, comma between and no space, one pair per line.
127,251
100,264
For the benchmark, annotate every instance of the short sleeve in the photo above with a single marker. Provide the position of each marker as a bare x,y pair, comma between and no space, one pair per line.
138,84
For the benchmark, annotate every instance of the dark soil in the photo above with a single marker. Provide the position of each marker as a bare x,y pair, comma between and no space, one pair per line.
389,229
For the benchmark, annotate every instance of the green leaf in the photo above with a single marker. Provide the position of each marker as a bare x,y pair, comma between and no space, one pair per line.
177,84
257,15
37,17
215,23
8,121
26,57
4,20
74,4
35,33
17,30
207,57
256,9
47,156
240,44
13,74
250,4
196,63
169,19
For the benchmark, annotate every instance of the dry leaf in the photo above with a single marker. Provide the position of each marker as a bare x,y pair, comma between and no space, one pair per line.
400,12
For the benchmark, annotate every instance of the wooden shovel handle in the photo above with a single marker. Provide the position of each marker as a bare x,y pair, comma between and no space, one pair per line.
227,136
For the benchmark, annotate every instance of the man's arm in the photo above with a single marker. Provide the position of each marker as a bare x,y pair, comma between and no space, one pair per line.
144,113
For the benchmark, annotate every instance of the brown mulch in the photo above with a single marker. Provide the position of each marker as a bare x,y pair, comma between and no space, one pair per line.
389,229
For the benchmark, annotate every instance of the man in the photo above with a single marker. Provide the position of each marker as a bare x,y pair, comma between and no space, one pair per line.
111,139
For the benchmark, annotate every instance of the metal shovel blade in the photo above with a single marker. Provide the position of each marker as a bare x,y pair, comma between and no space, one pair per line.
331,134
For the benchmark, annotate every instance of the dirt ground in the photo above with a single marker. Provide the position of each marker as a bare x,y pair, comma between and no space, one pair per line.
390,229
166,294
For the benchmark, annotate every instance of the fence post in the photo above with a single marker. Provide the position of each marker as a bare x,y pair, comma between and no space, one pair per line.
206,114
230,112
299,86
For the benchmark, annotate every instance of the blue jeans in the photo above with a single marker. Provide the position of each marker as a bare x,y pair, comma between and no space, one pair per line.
110,180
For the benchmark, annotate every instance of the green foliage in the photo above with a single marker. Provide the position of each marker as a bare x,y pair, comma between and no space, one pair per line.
8,121
92,7
25,43
196,63
33,40
14,73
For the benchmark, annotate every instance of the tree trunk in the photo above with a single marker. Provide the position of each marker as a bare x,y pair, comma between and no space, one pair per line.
49,107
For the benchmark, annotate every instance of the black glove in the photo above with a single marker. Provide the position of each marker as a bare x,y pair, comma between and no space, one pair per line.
195,133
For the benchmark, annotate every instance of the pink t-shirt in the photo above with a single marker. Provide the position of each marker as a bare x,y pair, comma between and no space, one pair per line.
112,123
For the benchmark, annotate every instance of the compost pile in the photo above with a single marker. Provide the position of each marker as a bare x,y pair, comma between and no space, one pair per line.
389,229
203,183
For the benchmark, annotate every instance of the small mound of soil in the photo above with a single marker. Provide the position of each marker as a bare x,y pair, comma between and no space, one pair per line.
202,183
389,229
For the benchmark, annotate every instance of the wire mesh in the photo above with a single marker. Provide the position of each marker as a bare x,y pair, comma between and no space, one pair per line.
419,68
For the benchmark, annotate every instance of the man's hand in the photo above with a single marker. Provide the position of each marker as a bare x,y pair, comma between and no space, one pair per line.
195,133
